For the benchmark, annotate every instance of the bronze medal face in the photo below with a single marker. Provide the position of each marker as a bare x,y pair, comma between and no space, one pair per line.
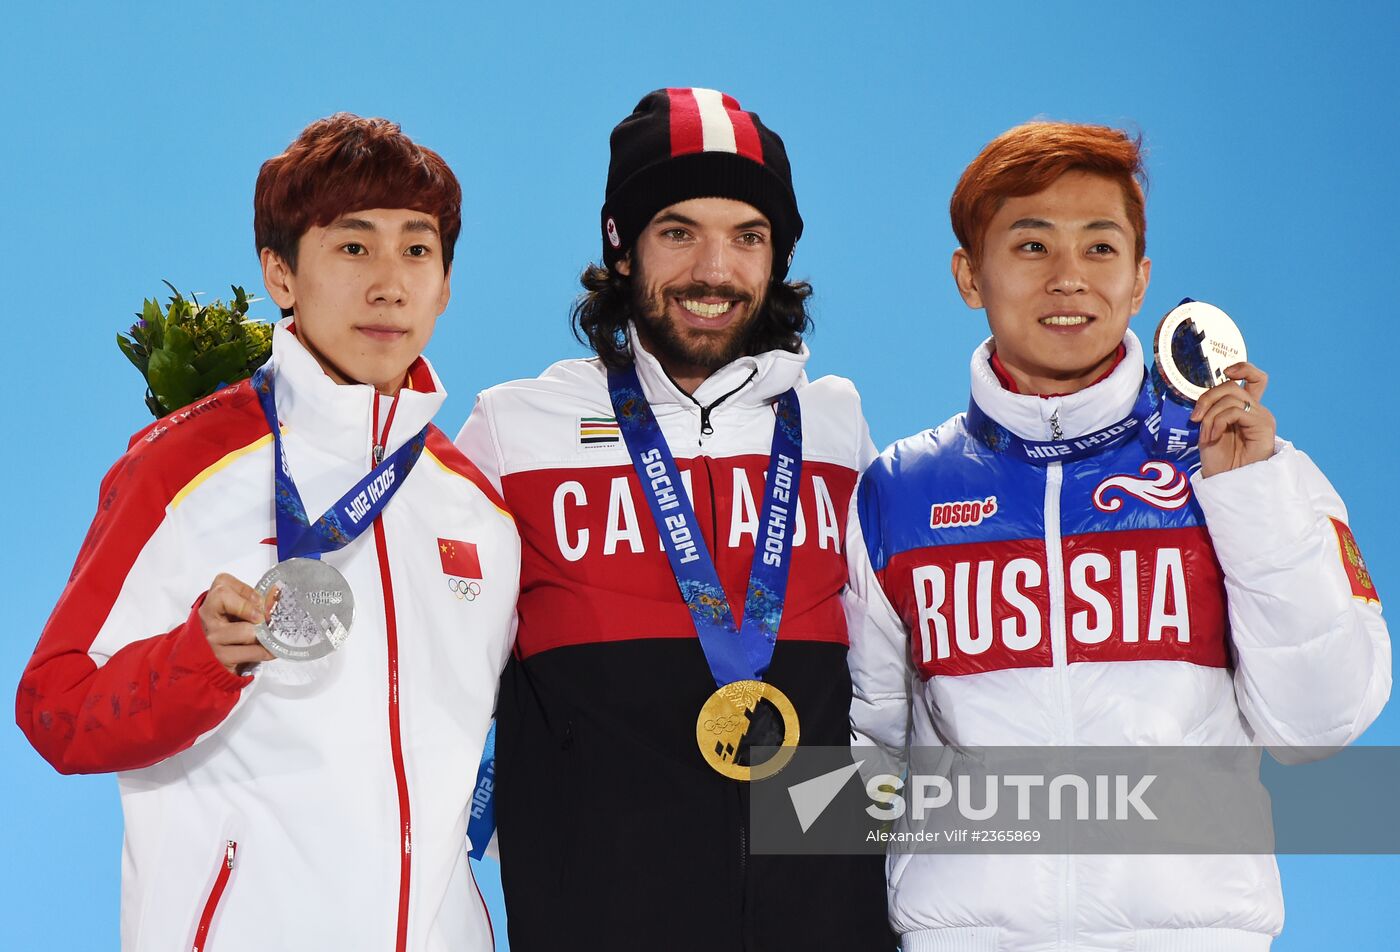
1193,345
742,715
313,612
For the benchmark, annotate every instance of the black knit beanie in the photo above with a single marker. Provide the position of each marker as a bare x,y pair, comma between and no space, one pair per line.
680,144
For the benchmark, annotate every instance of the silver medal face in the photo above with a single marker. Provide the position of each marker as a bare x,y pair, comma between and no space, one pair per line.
1194,344
313,613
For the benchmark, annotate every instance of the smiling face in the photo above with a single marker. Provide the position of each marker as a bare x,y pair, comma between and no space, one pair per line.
700,270
366,293
1059,281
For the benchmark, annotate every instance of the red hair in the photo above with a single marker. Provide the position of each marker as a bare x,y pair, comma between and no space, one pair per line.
346,163
1029,158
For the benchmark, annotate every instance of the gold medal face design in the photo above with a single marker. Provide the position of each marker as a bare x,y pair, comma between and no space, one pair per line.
741,714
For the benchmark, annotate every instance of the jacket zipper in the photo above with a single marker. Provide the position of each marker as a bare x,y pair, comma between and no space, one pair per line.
707,428
216,893
391,630
743,872
1055,569
1059,648
738,791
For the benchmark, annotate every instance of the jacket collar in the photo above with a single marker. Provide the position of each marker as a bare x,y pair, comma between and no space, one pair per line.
758,379
339,418
1028,415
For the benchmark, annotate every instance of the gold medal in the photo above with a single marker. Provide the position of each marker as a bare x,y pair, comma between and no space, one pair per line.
726,718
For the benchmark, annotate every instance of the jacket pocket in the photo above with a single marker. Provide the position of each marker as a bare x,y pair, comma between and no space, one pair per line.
216,893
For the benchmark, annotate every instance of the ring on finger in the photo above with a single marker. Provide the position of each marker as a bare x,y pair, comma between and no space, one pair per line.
1248,407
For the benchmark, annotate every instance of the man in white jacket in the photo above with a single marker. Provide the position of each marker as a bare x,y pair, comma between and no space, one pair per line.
270,803
1040,571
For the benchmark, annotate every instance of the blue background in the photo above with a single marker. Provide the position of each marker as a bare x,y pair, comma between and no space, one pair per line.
135,132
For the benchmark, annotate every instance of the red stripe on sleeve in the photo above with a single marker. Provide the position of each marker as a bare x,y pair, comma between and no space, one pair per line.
451,457
687,135
154,696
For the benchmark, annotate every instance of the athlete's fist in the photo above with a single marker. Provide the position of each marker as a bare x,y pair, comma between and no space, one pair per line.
1236,429
230,610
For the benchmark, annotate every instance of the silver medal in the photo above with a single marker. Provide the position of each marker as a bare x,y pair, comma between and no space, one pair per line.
313,612
1194,344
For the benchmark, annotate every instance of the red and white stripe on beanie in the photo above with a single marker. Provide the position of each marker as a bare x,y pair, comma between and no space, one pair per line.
688,142
707,120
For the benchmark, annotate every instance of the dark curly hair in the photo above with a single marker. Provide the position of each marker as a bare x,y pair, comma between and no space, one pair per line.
600,315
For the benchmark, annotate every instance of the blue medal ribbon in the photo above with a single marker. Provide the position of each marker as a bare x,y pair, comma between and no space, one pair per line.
1178,434
1175,434
481,814
352,514
1159,421
734,653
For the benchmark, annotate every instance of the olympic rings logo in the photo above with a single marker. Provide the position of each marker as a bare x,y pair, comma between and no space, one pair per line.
723,725
464,589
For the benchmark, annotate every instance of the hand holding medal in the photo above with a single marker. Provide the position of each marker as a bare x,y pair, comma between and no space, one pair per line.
229,613
309,605
301,610
310,610
1200,357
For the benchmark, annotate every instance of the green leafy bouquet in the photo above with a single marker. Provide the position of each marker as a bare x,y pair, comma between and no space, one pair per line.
189,350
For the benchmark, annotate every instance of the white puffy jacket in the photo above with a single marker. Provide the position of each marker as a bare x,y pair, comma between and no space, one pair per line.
262,814
1100,602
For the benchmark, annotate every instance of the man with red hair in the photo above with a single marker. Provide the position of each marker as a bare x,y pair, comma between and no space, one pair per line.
316,798
1042,571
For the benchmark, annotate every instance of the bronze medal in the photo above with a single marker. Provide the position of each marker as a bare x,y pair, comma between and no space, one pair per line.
739,716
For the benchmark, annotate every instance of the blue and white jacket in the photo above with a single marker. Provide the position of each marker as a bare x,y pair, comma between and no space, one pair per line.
1114,600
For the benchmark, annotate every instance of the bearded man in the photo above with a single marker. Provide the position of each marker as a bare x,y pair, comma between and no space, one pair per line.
648,614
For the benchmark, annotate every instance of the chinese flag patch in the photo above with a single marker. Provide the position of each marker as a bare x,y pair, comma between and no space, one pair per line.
1354,564
459,558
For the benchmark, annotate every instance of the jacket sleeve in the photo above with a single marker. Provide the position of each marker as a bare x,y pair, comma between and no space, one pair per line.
101,691
477,441
879,656
865,449
1312,655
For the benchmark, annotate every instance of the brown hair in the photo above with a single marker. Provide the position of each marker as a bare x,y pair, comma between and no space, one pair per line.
347,163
